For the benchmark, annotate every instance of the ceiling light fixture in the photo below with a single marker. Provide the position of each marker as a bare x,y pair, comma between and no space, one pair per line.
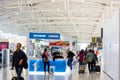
82,0
53,0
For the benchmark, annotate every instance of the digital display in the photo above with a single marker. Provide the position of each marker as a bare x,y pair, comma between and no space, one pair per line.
3,45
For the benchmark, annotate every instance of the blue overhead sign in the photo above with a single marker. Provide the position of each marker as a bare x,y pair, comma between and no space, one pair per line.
44,36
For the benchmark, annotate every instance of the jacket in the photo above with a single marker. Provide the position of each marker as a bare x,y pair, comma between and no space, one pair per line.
17,56
90,57
81,57
70,55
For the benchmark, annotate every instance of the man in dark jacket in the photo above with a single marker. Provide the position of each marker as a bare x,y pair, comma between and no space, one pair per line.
70,56
95,60
18,58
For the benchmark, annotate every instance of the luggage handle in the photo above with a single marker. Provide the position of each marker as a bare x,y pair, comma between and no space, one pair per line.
12,72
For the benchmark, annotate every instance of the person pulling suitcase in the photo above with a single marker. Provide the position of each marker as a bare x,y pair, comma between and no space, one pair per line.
14,77
19,61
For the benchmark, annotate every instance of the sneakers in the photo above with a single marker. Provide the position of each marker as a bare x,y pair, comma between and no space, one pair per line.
48,73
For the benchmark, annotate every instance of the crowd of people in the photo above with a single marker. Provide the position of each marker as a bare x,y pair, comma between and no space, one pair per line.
84,57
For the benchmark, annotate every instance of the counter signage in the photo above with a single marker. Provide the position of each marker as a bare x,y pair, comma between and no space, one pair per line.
44,35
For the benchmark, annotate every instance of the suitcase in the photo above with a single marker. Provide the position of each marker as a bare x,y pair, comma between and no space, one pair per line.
82,69
97,68
52,69
15,78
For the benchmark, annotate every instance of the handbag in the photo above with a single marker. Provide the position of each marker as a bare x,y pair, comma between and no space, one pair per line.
44,58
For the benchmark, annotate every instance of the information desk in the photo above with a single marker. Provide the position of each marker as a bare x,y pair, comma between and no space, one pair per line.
37,65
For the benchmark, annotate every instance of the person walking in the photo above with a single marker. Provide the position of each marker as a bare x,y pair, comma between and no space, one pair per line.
19,58
81,57
95,60
70,56
45,57
90,57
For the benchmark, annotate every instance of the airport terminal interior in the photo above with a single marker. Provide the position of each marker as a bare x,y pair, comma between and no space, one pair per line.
59,39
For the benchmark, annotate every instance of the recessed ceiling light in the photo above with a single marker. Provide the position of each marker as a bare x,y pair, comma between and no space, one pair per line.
82,0
53,0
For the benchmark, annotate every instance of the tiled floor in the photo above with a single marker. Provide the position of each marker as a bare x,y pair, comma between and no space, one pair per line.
74,75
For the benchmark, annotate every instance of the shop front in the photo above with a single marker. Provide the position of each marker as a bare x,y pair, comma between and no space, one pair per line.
51,41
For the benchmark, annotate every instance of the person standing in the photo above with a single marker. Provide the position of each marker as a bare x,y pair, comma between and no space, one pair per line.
70,56
19,57
11,55
81,57
45,57
90,57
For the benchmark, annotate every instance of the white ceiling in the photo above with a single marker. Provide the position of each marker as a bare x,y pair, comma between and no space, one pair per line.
81,18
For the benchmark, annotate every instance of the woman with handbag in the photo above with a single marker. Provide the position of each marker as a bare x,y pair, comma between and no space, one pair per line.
45,57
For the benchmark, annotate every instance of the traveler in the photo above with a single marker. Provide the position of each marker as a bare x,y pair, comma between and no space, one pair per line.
95,59
81,57
97,52
19,58
86,51
45,57
70,56
90,57
11,55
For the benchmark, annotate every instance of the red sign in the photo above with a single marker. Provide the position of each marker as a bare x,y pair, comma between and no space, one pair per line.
59,43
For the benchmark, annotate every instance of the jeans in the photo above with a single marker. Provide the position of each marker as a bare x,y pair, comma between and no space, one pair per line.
70,63
47,63
94,65
19,71
90,66
80,63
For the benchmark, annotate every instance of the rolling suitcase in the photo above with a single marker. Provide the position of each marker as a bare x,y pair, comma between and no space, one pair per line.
97,68
82,69
14,77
